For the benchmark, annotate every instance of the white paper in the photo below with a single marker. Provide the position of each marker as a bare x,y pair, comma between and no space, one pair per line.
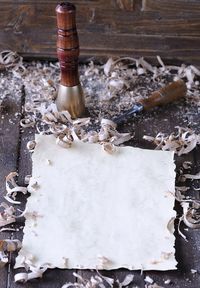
96,210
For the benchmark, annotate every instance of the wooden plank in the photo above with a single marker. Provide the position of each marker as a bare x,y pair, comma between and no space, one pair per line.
191,6
52,278
9,135
171,30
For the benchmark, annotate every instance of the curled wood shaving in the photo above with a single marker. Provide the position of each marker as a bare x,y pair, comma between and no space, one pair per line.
7,215
31,145
27,122
33,271
184,141
64,128
33,274
182,188
170,225
155,285
179,231
64,141
10,59
127,280
3,259
187,165
27,179
148,280
108,133
13,189
191,215
193,271
190,73
192,177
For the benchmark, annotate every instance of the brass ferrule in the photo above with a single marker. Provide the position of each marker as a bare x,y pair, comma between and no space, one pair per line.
71,99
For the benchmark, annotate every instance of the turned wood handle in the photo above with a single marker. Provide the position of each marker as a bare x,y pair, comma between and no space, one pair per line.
67,44
170,93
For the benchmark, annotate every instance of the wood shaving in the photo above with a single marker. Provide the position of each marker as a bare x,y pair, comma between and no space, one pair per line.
191,216
127,280
148,280
170,225
64,141
26,123
179,231
33,274
99,281
192,177
182,142
27,179
10,59
167,282
13,189
193,271
155,285
31,145
187,165
7,215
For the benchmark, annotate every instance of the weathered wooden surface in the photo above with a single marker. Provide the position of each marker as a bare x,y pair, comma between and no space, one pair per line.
9,148
146,28
14,155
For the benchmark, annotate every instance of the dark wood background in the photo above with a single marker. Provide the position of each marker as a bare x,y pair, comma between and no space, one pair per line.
147,28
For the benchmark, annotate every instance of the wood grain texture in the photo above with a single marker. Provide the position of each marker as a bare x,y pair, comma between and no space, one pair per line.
67,44
146,28
9,144
178,6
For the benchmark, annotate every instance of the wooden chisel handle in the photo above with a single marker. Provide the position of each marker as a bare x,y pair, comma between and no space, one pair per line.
169,93
67,44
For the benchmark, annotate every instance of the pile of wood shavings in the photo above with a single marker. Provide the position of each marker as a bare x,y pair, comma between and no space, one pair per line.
182,142
100,281
109,89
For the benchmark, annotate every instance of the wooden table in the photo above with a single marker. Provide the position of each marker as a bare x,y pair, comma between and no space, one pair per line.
15,157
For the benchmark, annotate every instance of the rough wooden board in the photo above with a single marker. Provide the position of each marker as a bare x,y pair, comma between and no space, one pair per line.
190,6
9,135
52,278
121,27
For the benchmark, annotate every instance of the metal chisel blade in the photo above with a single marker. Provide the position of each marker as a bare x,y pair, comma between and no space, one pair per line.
137,108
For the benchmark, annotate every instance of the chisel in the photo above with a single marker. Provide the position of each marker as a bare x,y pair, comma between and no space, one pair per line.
167,94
